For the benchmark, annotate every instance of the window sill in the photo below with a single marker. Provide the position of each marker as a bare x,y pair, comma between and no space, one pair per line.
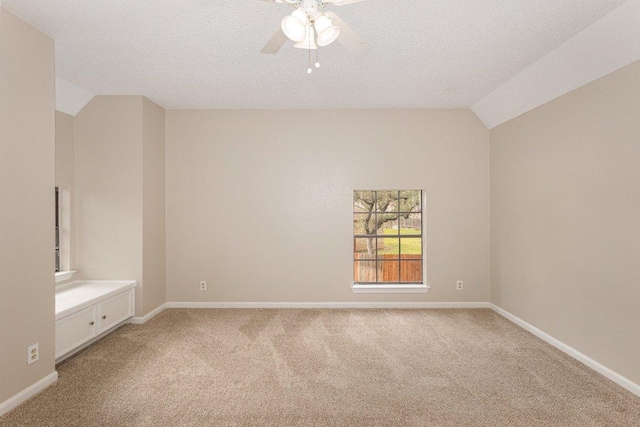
62,276
390,289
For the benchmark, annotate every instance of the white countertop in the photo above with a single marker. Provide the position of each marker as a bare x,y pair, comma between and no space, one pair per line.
79,294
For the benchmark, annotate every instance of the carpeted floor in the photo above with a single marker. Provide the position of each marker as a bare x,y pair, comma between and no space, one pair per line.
326,368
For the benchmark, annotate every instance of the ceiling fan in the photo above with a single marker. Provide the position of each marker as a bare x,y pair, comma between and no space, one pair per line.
311,27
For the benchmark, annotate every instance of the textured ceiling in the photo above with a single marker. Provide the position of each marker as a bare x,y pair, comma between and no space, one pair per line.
206,53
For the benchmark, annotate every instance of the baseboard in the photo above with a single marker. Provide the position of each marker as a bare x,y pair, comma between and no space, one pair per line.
28,393
144,319
598,367
343,305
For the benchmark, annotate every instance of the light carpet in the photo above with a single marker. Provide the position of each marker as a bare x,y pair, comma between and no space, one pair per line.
326,368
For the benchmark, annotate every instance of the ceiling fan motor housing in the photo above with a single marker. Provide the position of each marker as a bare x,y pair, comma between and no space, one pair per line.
312,7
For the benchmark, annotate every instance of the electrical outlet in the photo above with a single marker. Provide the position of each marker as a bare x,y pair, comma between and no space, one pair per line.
459,285
33,354
203,285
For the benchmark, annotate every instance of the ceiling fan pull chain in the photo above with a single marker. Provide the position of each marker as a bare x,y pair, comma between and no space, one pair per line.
318,57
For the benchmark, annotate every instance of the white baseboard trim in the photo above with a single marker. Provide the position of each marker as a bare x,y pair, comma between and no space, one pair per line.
343,305
144,319
598,367
28,393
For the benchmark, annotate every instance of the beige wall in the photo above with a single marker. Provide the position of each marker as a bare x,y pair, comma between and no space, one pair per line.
27,162
65,150
259,202
120,225
153,206
65,180
109,190
565,229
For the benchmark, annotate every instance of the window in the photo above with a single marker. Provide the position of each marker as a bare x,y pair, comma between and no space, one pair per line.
387,237
57,248
62,248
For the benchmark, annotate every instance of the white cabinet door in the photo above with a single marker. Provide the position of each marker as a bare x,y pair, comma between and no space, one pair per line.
75,330
114,310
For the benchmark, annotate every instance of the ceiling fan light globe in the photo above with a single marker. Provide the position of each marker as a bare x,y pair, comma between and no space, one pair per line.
294,25
327,32
309,41
328,36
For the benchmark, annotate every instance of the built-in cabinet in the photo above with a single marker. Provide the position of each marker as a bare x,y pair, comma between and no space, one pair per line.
86,310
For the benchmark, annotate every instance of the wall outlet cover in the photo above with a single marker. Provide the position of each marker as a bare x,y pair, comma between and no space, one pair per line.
33,354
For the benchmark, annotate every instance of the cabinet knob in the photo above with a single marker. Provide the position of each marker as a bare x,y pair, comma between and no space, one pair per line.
91,323
104,317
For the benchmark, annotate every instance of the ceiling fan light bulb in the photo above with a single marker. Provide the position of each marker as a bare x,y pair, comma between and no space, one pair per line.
294,25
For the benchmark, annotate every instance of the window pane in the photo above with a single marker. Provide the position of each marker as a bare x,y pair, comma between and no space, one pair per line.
388,224
364,248
387,201
411,271
411,248
388,271
410,201
363,224
389,247
363,201
364,271
411,225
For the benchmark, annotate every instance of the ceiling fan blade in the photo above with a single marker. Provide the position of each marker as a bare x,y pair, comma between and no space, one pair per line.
342,2
277,41
348,37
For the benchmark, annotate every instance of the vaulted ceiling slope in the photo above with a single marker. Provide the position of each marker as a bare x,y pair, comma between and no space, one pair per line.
606,46
205,54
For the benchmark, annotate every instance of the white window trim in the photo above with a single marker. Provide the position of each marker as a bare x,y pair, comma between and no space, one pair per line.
389,289
62,276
